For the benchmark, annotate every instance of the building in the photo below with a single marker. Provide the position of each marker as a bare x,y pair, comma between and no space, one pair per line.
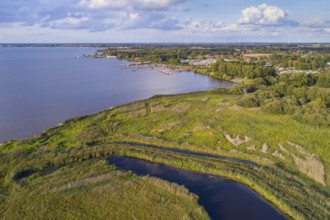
203,62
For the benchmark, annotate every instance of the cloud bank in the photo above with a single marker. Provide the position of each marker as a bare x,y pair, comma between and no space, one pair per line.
157,15
136,4
263,15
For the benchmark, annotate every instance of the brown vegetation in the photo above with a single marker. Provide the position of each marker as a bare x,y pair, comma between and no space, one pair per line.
237,141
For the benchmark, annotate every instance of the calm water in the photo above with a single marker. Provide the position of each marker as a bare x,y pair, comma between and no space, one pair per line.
41,87
222,199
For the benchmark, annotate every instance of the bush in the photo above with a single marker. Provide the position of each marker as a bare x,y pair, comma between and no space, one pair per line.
300,94
249,100
270,80
236,89
280,106
317,118
315,93
251,88
290,106
274,106
323,80
264,94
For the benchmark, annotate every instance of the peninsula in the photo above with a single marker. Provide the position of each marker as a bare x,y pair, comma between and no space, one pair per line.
268,132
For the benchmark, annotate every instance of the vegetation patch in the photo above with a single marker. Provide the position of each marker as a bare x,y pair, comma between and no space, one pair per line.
310,164
237,140
294,178
93,189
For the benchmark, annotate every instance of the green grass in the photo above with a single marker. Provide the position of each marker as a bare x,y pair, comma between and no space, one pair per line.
196,122
95,190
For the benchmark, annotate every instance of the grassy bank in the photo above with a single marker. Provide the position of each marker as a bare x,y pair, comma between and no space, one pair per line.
294,157
94,190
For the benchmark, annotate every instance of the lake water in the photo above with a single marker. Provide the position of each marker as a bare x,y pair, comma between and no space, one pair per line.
41,87
222,199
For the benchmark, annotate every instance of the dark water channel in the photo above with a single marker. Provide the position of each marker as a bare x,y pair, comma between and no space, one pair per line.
222,199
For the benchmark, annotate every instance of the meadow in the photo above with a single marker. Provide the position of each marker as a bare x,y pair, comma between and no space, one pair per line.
64,167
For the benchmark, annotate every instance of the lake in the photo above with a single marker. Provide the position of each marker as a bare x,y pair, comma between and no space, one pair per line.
222,198
41,87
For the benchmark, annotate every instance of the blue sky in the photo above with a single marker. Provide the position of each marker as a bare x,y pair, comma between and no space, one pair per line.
71,21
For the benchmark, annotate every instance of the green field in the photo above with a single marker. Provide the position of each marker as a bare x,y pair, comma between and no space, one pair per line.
294,157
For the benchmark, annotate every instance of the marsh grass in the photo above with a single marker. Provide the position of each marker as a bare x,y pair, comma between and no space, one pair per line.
196,122
95,190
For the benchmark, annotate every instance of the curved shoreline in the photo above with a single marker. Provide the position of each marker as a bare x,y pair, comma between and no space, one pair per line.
249,184
219,203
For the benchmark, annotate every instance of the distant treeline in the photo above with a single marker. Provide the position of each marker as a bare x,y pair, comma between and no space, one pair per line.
286,56
226,48
222,69
305,96
299,62
166,55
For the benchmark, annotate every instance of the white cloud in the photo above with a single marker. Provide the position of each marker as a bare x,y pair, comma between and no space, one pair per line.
69,22
153,20
96,4
131,18
137,4
210,28
204,26
157,4
166,24
263,15
316,23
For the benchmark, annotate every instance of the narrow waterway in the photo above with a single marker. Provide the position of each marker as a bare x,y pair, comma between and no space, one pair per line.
222,199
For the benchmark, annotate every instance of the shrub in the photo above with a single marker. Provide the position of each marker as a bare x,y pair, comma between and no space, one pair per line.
323,80
315,92
249,100
236,89
274,106
280,106
317,118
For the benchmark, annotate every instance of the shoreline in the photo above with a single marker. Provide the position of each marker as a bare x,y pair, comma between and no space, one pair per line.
256,188
175,68
241,179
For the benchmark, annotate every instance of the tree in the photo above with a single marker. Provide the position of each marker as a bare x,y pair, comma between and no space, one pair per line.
249,100
273,106
323,80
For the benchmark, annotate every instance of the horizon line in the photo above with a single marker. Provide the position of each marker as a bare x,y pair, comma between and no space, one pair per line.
201,42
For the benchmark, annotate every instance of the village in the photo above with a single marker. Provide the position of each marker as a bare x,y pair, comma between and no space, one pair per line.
298,59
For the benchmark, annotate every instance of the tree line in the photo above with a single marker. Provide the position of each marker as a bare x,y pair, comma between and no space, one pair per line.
240,69
305,96
300,62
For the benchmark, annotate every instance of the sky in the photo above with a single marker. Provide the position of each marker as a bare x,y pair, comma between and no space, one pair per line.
164,21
